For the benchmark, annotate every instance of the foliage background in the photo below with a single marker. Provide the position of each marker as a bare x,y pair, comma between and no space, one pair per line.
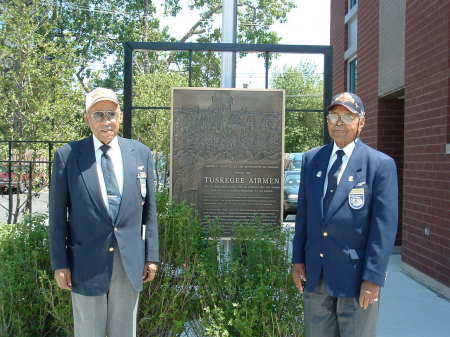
199,287
54,51
47,51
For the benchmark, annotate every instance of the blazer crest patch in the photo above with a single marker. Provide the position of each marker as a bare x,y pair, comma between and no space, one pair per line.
356,198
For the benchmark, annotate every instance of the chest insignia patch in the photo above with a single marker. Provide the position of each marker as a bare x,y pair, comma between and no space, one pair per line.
356,198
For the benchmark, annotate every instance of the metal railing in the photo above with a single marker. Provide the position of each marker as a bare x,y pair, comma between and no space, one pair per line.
25,170
191,48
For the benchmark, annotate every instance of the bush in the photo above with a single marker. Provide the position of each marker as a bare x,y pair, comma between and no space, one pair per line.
24,259
251,293
246,291
166,303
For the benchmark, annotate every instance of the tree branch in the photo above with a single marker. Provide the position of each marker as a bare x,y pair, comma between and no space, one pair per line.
192,31
205,16
80,79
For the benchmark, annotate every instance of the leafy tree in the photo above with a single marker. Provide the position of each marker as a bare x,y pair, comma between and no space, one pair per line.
48,47
304,90
96,29
254,19
152,127
37,88
39,99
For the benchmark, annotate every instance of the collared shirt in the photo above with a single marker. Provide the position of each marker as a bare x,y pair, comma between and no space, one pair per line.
116,157
348,150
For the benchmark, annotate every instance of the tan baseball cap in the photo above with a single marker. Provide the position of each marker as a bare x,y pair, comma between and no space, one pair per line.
98,95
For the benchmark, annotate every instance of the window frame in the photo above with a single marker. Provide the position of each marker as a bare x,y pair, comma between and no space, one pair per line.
352,74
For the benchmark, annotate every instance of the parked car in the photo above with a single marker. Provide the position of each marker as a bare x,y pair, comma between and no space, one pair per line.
18,180
160,171
295,161
291,186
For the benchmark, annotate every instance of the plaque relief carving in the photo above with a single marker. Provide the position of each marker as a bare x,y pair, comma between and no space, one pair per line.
227,147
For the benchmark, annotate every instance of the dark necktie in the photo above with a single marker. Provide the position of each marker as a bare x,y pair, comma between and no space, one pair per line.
332,181
112,188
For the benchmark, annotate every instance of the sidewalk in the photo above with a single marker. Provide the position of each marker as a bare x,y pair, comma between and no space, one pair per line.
408,309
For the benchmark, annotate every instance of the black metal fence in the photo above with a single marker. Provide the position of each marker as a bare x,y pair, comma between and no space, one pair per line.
266,49
25,173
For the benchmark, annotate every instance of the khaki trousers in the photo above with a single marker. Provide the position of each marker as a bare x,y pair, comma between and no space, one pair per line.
329,316
112,314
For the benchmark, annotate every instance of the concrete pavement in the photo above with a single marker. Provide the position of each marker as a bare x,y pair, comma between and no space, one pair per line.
409,309
39,204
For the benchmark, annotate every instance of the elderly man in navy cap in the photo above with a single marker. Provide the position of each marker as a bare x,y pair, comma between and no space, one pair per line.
345,227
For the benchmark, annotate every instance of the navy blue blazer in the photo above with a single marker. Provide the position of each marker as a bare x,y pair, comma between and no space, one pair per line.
81,231
354,240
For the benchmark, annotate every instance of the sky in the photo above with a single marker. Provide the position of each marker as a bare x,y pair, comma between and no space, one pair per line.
308,24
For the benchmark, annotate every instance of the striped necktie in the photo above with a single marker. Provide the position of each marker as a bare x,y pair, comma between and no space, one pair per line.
332,181
112,188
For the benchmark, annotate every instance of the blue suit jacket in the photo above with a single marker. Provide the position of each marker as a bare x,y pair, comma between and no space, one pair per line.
355,243
81,232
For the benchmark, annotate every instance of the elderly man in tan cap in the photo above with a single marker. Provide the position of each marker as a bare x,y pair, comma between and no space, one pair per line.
103,231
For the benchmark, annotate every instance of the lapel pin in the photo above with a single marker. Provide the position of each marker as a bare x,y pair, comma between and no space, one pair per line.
350,178
319,174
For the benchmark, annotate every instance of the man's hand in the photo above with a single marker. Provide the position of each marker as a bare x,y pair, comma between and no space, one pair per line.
63,278
150,270
368,294
299,275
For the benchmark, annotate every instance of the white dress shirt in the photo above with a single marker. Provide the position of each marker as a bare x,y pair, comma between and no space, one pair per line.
116,158
348,150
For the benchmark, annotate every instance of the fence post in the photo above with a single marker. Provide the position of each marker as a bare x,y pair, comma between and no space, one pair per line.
50,149
10,199
30,186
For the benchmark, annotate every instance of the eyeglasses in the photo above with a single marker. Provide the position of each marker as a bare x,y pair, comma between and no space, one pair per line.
104,115
347,119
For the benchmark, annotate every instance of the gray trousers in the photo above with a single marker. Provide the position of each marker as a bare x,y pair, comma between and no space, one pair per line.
329,316
112,314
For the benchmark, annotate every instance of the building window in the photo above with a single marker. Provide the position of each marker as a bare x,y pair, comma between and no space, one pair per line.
351,26
352,36
352,3
352,75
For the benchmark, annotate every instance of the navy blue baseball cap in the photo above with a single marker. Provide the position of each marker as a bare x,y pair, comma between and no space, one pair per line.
350,101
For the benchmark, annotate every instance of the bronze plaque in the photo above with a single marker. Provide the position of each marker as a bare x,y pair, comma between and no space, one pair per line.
227,147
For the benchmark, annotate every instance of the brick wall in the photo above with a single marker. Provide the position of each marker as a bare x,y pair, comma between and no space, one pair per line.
426,166
385,117
384,125
368,67
390,139
414,131
338,36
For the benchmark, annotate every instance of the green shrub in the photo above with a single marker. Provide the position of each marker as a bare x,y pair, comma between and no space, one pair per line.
251,292
166,303
24,261
244,292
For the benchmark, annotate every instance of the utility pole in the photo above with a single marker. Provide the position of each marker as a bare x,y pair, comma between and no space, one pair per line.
229,28
145,35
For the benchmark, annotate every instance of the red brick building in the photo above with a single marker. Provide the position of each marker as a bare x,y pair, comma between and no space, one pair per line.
395,54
